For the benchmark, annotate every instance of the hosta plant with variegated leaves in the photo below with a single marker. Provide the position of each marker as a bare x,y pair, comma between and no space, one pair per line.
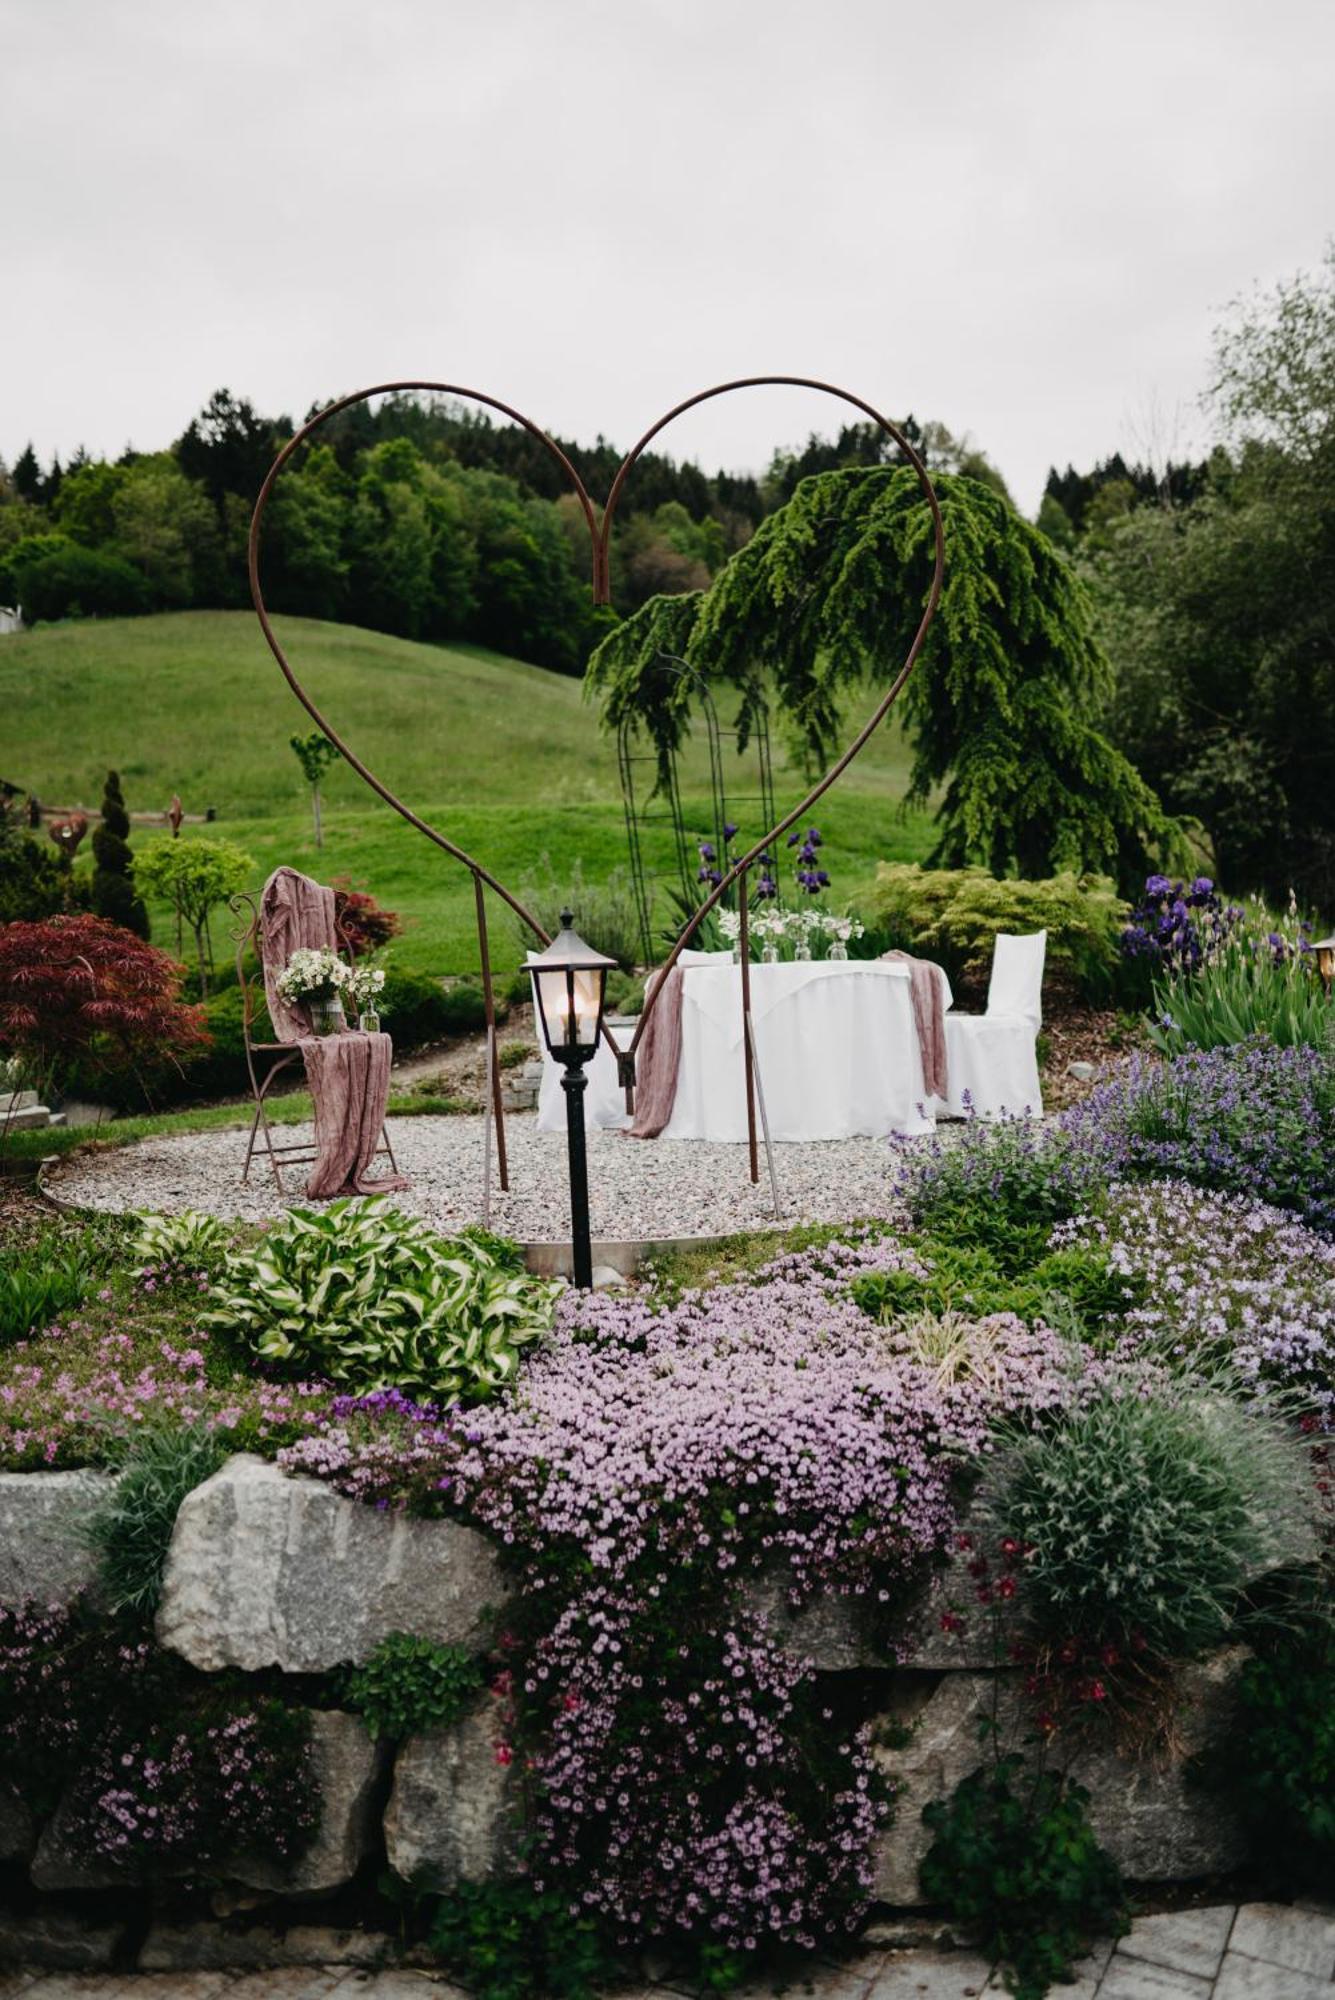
191,1241
361,1293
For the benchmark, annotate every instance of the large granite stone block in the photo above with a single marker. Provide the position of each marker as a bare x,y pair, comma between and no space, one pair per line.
267,1571
455,1813
43,1552
1156,1823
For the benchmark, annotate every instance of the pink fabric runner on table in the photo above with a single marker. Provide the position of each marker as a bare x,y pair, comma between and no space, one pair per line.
929,1018
658,1061
348,1074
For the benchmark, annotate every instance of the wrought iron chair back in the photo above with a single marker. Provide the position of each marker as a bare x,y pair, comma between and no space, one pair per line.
266,1058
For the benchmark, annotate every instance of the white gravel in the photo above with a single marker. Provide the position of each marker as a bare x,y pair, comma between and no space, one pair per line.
638,1189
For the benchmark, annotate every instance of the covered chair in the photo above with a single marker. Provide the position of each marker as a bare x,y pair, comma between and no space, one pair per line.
993,1057
270,945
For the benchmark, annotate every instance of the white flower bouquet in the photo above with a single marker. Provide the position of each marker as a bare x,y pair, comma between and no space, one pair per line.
803,933
316,979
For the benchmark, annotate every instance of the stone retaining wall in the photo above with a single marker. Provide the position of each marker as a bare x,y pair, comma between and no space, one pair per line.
269,1573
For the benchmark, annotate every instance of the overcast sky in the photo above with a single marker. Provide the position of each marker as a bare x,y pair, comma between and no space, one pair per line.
1020,217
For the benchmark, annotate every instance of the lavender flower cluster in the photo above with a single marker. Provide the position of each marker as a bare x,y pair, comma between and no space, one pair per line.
740,1425
1229,1279
1252,1119
688,1778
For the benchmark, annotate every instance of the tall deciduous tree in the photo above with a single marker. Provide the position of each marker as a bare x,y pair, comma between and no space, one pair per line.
114,893
1220,615
829,593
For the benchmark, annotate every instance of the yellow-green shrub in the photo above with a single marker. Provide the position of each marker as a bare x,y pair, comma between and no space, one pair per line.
953,915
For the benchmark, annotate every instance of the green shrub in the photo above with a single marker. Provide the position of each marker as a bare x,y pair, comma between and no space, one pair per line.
953,915
132,1529
605,913
1002,1187
1150,1506
1015,1860
40,1284
509,1941
1279,1770
370,1297
515,1054
411,1684
625,993
56,578
1076,1287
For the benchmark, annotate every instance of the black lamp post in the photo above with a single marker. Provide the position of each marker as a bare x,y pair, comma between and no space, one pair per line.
569,983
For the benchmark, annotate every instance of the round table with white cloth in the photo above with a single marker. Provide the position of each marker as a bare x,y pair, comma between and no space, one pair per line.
836,1049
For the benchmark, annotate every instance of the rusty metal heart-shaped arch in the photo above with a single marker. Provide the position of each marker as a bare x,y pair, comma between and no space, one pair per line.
600,534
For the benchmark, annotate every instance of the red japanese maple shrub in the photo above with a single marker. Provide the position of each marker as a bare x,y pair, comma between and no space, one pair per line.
362,923
81,995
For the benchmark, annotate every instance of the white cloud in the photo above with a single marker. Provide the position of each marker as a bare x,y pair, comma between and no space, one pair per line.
1023,220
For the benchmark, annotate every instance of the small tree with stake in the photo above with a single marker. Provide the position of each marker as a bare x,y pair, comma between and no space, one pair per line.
195,876
114,894
315,753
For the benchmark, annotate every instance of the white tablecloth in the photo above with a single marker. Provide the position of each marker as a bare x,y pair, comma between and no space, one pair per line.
836,1049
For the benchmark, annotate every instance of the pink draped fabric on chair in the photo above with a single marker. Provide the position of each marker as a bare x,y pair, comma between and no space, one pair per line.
929,1018
348,1074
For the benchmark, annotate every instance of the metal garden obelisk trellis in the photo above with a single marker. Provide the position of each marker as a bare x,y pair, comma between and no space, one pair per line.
734,879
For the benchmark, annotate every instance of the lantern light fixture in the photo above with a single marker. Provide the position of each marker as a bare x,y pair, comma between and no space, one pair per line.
1324,952
569,990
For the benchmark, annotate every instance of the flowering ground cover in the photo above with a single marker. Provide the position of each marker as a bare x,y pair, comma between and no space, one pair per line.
1094,1333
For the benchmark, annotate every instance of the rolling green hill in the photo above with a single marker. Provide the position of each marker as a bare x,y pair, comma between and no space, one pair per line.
506,759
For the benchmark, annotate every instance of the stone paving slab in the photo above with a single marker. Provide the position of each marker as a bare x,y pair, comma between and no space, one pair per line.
1263,1951
1304,1940
1182,1940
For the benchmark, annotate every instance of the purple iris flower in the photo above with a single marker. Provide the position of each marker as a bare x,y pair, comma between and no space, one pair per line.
729,830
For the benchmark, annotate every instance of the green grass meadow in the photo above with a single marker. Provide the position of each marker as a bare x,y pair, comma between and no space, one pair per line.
507,760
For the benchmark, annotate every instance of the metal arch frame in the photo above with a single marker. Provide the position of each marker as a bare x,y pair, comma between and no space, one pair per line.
600,537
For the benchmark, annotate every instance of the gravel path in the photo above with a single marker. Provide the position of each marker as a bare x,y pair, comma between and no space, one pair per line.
637,1189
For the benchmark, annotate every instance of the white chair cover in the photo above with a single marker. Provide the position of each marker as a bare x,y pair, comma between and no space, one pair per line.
993,1057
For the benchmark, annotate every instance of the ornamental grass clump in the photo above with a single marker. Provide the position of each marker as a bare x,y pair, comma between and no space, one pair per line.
40,1285
1149,1507
131,1531
368,1297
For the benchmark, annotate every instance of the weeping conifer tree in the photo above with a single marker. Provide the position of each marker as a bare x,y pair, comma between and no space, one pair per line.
1002,708
113,871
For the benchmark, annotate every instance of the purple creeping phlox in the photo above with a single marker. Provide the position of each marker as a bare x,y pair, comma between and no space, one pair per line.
689,1776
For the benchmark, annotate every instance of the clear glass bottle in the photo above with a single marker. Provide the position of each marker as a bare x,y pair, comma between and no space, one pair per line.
369,1021
802,949
838,949
770,953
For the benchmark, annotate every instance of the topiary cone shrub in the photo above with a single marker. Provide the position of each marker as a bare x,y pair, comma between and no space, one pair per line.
113,872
